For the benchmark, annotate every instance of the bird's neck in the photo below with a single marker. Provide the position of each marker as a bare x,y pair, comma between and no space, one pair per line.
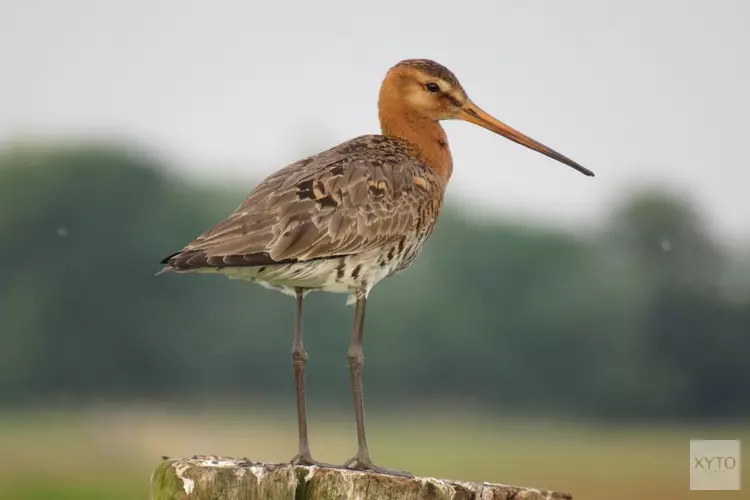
426,136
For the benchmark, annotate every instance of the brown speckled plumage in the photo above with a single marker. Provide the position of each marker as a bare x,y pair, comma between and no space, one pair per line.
367,196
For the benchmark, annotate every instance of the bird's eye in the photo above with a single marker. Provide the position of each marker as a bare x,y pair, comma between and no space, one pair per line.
432,87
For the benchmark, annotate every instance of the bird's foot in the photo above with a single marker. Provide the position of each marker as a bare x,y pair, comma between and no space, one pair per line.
307,460
365,463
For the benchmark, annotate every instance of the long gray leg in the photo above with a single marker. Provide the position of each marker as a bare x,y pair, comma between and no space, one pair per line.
299,362
362,459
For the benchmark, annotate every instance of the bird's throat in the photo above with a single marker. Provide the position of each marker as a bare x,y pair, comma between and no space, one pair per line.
426,135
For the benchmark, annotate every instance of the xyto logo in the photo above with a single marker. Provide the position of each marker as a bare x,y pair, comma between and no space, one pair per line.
715,464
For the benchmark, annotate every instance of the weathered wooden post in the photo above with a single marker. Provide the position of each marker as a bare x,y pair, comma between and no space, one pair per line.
220,478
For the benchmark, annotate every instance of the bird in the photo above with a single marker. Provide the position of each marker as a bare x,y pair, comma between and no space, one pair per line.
346,218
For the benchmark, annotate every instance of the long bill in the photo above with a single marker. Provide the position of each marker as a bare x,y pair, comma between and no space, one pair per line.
472,113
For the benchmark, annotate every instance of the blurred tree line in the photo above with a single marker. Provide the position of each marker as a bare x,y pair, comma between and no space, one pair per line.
637,319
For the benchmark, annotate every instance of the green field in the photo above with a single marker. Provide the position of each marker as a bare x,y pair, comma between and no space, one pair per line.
108,453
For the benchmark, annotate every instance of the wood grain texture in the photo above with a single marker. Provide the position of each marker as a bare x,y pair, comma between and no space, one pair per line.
221,478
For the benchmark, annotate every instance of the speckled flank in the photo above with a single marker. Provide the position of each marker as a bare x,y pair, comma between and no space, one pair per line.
339,221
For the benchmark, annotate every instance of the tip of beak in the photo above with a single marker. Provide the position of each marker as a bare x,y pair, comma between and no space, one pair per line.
585,171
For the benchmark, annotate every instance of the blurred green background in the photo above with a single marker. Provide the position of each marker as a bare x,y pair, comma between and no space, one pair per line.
558,331
510,352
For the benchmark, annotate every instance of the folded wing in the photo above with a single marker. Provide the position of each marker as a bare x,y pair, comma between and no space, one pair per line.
358,196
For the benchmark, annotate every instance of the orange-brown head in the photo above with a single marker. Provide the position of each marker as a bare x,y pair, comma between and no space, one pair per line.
417,93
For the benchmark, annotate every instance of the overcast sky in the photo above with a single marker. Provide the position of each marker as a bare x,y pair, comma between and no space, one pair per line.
638,90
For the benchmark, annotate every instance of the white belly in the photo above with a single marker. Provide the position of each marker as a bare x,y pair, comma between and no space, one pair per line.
340,275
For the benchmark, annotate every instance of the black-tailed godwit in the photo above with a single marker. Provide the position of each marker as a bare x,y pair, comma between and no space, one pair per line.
346,218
